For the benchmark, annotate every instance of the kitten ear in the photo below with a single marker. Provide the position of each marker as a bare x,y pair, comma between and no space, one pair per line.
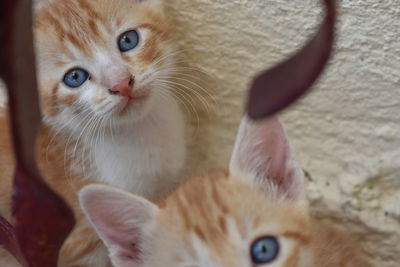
262,152
119,219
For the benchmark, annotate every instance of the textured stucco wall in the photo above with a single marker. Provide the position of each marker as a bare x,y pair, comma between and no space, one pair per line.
346,133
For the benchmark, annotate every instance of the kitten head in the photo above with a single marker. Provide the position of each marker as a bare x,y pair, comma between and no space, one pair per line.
253,216
100,60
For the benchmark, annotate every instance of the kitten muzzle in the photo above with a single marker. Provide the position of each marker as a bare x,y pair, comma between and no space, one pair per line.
124,88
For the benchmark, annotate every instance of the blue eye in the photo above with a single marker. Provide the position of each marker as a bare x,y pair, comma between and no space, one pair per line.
264,250
128,41
75,78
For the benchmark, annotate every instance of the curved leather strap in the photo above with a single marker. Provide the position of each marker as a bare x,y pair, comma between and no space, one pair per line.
42,219
280,86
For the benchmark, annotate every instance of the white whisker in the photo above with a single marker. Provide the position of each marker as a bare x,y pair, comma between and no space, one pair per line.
177,85
183,101
196,85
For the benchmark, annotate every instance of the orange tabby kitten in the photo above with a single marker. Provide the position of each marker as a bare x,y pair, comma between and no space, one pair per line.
254,216
108,112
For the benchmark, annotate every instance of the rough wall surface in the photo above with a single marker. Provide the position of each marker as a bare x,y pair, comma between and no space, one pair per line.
346,132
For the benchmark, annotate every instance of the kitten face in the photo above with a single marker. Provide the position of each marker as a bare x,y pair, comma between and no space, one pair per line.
225,222
213,221
100,59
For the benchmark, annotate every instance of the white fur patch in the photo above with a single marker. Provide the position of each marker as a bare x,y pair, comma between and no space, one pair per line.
144,157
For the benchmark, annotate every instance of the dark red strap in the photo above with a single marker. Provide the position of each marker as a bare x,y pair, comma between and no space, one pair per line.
8,240
280,86
42,219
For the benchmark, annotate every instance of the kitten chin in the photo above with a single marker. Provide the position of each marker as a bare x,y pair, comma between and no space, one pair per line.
143,155
139,109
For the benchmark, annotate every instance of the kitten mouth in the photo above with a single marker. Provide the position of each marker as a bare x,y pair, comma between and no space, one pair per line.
128,102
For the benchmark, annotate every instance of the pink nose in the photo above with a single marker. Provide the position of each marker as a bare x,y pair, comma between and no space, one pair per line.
123,88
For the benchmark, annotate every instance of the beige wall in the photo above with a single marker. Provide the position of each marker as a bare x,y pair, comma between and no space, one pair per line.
346,133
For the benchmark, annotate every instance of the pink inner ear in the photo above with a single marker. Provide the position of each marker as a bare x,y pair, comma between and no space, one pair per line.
276,148
125,239
263,152
118,218
116,230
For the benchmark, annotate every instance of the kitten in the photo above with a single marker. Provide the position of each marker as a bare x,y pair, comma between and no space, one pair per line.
256,215
108,113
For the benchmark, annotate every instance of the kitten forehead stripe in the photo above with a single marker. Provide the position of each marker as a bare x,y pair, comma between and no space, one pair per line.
86,6
298,236
218,199
79,30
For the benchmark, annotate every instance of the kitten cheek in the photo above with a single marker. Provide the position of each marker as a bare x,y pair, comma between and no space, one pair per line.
49,99
68,100
99,100
149,55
